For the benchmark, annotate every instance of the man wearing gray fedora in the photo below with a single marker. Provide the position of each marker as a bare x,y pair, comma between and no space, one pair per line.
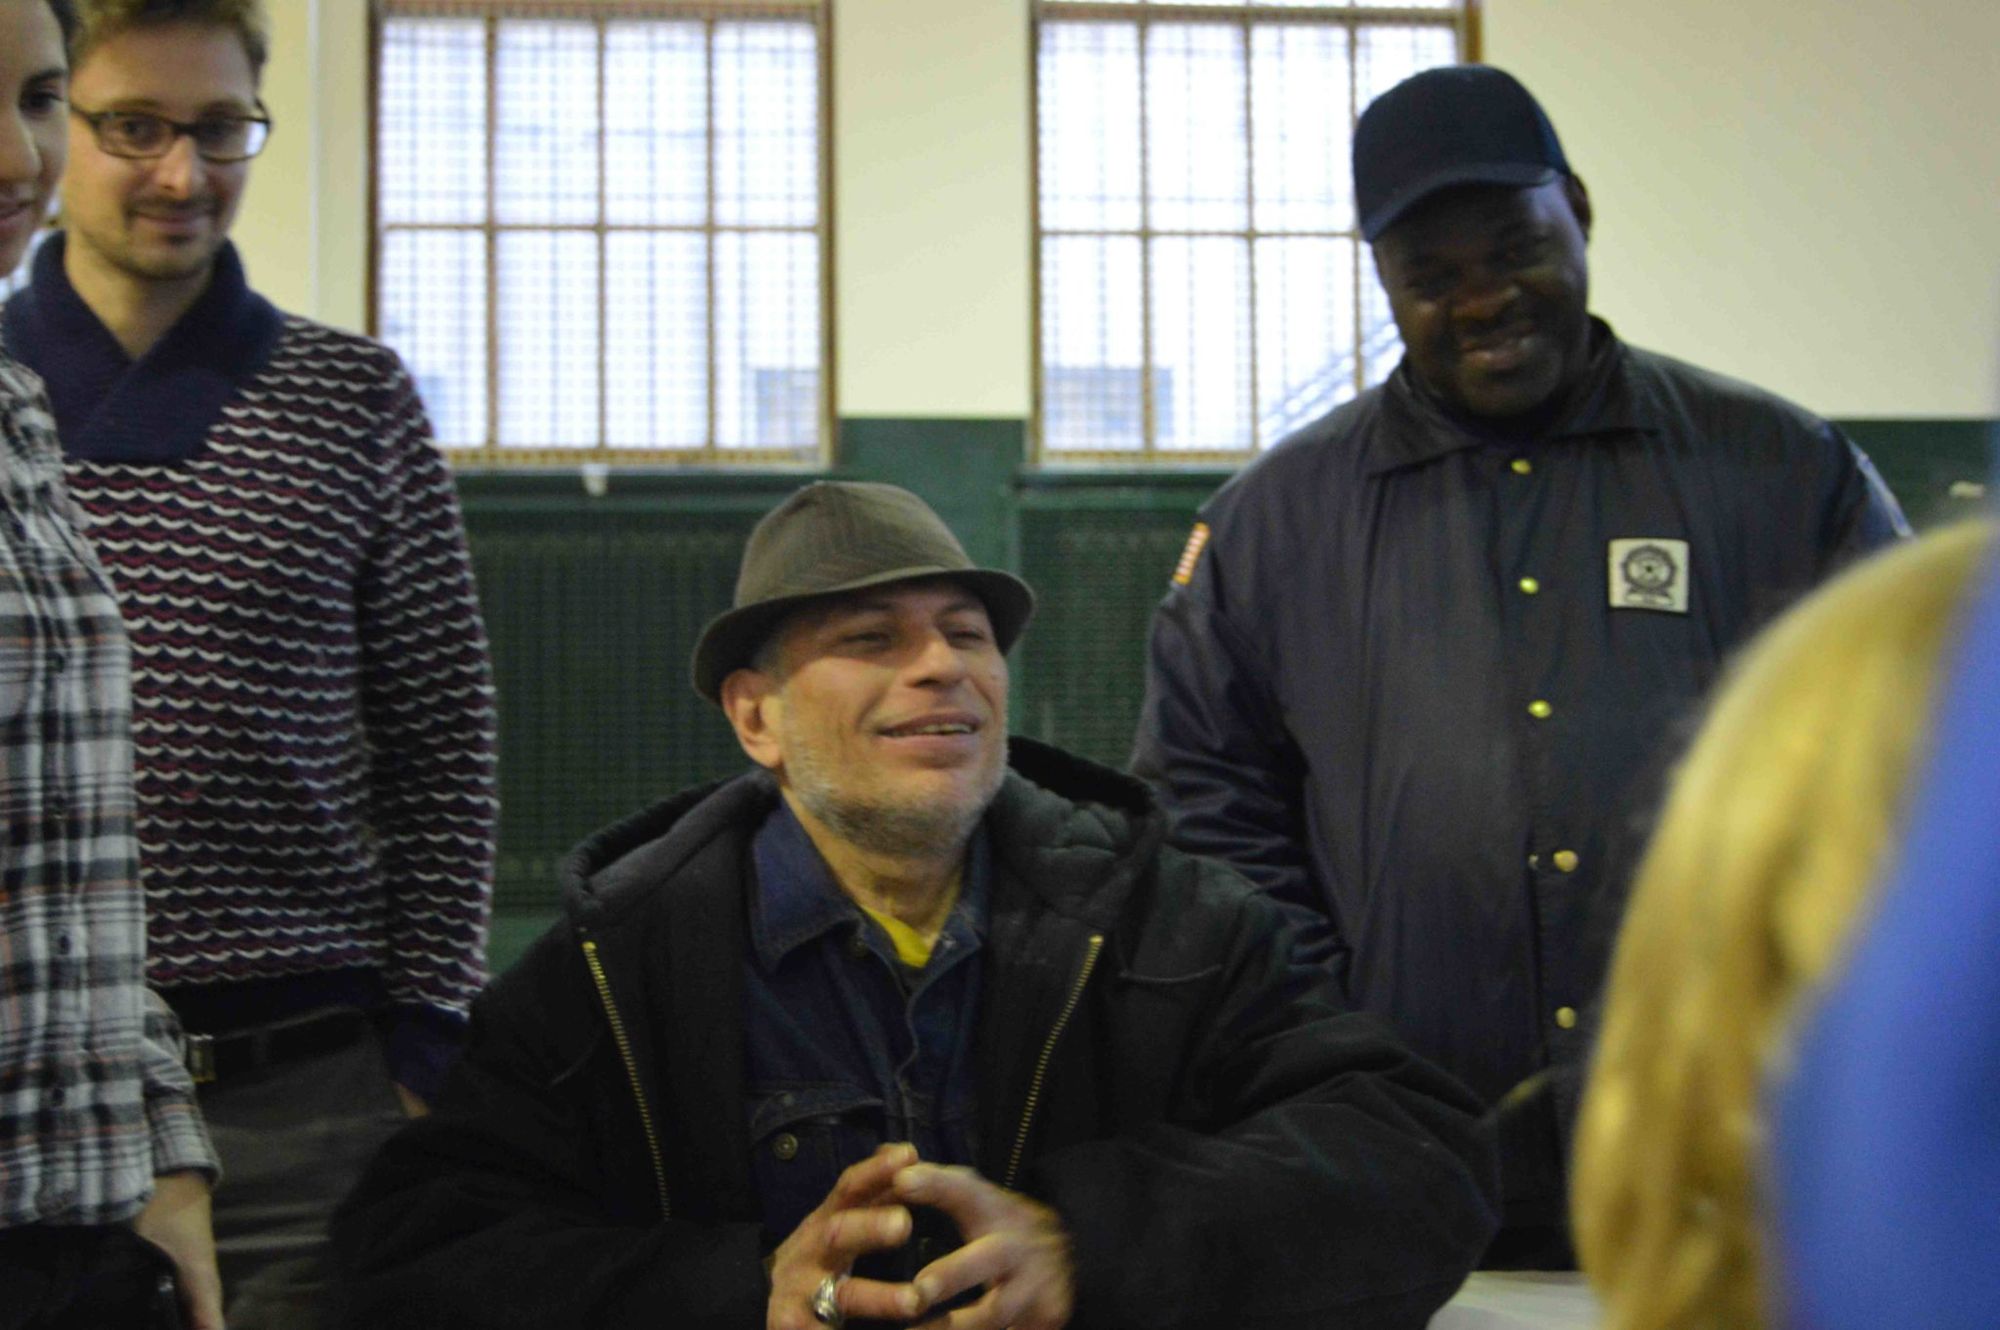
912,1024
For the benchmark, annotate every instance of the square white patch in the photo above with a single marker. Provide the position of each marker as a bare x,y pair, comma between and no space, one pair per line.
1649,573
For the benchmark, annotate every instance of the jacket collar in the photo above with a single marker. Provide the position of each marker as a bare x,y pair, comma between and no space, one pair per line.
1072,833
161,407
1420,429
797,898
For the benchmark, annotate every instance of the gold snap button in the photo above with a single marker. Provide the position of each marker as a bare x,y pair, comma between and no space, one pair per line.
1566,860
1540,710
1529,586
1522,466
786,1146
1566,1017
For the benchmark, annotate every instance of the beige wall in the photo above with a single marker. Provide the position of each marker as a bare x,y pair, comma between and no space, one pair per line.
279,203
931,216
303,228
1800,194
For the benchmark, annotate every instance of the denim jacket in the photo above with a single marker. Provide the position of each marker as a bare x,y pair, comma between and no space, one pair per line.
843,1052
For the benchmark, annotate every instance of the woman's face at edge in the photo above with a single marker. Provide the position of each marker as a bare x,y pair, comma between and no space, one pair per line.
34,128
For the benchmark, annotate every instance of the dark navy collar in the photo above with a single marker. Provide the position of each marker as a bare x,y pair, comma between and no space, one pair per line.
160,408
797,898
1422,428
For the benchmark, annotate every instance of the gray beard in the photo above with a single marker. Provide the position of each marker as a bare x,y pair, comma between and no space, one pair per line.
889,830
901,830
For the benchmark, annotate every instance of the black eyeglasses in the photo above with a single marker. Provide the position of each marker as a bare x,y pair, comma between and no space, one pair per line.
142,136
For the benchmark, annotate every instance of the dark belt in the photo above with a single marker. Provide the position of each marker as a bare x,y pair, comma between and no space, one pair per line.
215,1057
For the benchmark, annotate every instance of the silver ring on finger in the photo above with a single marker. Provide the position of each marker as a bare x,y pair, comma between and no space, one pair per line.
826,1302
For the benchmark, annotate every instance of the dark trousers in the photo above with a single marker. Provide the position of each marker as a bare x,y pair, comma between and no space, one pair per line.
293,1138
101,1277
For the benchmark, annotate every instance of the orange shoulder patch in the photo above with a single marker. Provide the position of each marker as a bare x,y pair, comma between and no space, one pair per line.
1190,556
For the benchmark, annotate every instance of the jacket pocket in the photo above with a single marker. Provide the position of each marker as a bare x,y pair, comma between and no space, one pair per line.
802,1134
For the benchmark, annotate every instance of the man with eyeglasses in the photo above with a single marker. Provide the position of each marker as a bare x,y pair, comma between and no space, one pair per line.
313,715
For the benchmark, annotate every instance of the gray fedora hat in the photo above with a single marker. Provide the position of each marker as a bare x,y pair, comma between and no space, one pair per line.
841,535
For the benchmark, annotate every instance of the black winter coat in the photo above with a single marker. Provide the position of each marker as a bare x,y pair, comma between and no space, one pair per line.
1226,1146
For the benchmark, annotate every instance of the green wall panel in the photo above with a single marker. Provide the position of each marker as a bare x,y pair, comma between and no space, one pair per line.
1099,551
964,469
1939,469
593,605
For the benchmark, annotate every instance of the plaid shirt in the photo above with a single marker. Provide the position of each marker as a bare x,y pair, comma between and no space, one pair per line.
94,1102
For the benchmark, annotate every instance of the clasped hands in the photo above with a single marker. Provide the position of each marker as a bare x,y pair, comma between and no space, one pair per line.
1015,1246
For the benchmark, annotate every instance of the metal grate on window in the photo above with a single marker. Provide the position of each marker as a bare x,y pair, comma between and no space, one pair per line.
1202,286
600,227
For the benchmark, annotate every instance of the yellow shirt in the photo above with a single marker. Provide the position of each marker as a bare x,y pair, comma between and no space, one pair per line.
912,948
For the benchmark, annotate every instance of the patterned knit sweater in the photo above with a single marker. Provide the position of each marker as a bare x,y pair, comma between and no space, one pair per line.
313,707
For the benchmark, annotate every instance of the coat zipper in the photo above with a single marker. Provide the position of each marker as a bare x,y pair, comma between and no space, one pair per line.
1048,1051
631,1072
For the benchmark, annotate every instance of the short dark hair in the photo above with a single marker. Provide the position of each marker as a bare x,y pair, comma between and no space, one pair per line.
65,12
768,655
105,19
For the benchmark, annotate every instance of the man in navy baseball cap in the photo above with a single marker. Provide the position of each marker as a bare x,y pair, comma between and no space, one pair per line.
1445,162
1417,658
1459,125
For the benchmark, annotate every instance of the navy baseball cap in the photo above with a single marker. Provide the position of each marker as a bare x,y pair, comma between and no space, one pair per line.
1456,125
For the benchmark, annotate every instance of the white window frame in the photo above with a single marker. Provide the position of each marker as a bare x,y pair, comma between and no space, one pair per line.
491,452
1463,17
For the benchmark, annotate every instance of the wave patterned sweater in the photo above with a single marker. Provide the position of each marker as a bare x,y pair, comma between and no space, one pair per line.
312,701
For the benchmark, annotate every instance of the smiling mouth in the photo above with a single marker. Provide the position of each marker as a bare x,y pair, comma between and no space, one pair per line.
924,729
1498,354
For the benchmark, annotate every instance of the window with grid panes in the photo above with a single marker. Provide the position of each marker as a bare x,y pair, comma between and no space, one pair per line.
1203,287
599,226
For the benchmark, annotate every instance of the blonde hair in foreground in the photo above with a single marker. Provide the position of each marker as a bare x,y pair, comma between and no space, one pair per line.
1778,826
